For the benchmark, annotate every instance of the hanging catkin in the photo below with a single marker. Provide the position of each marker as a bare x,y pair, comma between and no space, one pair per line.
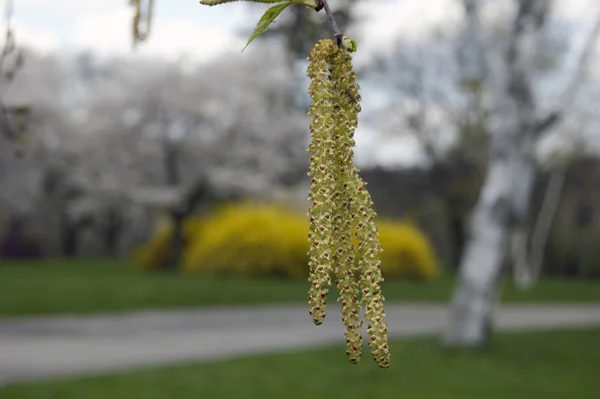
340,212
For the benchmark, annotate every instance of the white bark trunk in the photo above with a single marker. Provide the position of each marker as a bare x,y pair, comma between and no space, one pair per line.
528,264
507,188
508,184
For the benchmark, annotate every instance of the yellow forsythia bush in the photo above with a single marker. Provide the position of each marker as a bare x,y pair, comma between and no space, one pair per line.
248,239
154,253
407,253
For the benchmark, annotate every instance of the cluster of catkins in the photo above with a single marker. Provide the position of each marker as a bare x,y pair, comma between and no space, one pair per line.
344,241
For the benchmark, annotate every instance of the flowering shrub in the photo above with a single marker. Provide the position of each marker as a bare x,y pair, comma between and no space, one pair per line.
247,239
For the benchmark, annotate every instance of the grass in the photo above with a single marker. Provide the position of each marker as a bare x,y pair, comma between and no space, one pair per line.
553,364
34,288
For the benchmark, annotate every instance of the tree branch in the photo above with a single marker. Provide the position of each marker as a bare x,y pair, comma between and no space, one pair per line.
337,33
475,63
528,259
9,43
544,222
568,96
549,121
6,50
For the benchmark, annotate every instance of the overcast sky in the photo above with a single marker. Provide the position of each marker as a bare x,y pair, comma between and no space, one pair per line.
186,28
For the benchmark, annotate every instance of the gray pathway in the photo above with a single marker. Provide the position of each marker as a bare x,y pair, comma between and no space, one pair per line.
35,348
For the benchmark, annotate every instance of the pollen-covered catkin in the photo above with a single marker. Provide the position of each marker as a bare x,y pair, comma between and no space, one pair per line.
322,180
346,119
361,213
367,252
340,212
363,217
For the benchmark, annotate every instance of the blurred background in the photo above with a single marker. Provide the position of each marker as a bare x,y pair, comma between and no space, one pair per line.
151,174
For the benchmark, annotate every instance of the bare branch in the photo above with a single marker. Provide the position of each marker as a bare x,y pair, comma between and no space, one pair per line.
528,268
8,40
475,62
568,96
337,34
545,219
528,22
579,75
545,124
7,49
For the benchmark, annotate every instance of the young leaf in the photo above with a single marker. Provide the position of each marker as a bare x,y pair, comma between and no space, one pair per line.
266,20
307,3
217,2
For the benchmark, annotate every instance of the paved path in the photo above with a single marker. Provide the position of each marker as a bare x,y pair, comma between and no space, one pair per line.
35,348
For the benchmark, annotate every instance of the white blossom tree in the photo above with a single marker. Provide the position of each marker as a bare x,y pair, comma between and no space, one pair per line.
117,128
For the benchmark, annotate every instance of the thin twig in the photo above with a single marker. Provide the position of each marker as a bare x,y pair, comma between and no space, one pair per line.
8,44
567,98
582,63
337,33
7,49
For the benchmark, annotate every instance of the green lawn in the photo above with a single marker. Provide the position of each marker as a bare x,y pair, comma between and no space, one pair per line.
555,364
86,287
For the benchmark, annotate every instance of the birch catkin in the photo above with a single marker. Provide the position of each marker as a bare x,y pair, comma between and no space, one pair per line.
345,114
340,210
322,179
344,241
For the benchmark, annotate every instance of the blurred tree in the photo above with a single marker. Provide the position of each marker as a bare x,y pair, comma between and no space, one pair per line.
529,240
11,61
432,103
509,74
122,126
179,119
475,99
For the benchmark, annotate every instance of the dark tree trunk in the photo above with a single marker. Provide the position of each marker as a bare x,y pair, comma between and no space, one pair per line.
112,232
177,242
69,238
457,239
173,180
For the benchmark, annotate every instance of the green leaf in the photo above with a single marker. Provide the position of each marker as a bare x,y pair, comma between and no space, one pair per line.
307,3
217,2
266,20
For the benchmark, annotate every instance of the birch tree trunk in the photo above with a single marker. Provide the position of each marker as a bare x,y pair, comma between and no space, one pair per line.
509,180
528,259
508,185
505,196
